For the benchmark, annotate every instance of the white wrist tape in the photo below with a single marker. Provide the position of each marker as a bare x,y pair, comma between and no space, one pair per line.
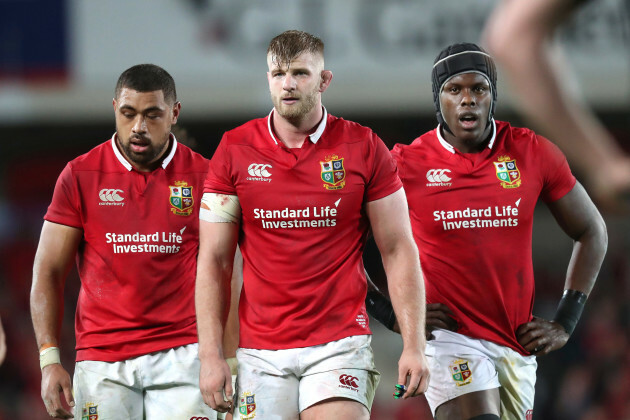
49,356
220,208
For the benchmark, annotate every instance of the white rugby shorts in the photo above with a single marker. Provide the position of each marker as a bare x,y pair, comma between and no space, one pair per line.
161,385
459,364
279,384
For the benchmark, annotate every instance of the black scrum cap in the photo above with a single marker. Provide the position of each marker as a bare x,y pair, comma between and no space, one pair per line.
457,59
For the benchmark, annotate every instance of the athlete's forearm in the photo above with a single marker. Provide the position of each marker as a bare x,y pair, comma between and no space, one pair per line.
231,329
389,218
211,296
586,259
217,244
580,220
46,308
406,290
53,260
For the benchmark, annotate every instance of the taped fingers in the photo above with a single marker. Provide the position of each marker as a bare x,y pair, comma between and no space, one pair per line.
399,391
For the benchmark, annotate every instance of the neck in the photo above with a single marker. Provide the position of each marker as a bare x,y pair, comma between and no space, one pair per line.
468,145
149,166
293,132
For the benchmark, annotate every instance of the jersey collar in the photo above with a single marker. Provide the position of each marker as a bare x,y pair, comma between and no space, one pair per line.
451,149
313,137
128,165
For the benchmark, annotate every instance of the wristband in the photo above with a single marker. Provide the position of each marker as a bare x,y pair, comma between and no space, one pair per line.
380,308
570,309
49,356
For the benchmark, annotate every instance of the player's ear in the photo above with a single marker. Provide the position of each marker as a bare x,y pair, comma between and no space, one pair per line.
114,104
177,107
326,78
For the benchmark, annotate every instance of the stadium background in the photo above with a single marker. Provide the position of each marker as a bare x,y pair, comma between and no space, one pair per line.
59,61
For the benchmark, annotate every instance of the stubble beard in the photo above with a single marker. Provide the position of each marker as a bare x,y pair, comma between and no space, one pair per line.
150,155
295,113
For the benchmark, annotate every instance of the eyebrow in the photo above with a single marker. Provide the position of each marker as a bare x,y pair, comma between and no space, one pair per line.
482,81
288,68
150,109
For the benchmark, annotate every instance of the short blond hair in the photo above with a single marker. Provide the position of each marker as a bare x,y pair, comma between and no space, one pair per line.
290,44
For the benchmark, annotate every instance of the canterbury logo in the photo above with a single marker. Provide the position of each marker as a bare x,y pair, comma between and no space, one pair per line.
349,381
259,169
110,195
438,175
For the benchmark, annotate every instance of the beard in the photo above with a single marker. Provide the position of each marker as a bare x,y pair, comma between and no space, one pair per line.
152,153
297,111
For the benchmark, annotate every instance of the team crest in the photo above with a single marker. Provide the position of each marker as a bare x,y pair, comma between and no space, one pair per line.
333,173
247,405
89,412
507,172
460,371
181,198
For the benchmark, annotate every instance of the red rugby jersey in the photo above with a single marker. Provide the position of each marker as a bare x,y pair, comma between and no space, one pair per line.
137,259
472,218
303,228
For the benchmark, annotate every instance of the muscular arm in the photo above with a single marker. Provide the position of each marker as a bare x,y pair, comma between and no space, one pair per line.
217,246
230,336
578,217
389,219
517,35
380,308
58,245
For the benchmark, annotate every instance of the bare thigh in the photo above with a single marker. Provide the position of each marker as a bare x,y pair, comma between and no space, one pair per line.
470,405
336,408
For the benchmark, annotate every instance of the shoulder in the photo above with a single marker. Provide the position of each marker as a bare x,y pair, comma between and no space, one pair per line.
521,137
420,145
94,159
195,161
348,130
246,134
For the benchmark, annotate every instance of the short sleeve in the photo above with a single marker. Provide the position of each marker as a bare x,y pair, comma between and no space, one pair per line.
65,207
557,177
219,178
397,154
384,178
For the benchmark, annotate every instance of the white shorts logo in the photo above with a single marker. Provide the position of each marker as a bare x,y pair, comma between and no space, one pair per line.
111,197
438,178
259,172
349,382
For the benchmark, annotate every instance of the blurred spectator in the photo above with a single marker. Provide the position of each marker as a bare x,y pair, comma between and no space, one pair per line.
518,35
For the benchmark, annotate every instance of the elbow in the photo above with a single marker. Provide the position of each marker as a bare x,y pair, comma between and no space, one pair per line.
601,233
596,235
